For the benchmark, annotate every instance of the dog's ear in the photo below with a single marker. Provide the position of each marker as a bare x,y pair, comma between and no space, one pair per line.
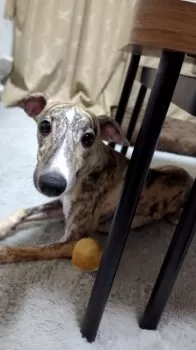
111,131
33,104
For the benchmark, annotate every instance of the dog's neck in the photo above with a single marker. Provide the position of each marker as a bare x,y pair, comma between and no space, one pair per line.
95,164
101,163
96,161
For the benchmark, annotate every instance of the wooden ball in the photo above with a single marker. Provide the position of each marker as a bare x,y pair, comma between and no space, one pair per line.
87,254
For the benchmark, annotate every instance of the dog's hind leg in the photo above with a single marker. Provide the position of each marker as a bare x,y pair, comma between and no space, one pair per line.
25,218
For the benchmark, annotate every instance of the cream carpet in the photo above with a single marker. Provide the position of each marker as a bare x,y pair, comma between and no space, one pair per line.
42,303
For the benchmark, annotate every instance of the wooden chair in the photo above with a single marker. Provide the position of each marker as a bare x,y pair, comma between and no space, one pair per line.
169,26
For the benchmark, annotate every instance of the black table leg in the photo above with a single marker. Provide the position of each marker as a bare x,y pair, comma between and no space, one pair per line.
127,87
135,114
161,95
174,258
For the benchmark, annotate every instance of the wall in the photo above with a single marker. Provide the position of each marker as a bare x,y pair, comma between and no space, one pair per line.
6,34
6,39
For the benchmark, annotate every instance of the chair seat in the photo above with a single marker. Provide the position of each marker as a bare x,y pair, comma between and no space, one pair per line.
181,98
177,136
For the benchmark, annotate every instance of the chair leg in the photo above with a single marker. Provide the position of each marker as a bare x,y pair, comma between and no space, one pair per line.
128,84
127,87
161,95
174,258
135,114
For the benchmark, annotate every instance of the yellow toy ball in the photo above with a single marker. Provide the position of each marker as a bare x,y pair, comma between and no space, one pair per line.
87,254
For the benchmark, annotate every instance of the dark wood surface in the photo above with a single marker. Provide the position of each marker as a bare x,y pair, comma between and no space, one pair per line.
168,24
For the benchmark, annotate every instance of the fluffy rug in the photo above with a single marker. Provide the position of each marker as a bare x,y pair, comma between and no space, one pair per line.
42,303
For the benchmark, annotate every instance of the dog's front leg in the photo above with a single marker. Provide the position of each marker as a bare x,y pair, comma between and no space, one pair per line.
80,223
76,228
75,232
41,252
25,218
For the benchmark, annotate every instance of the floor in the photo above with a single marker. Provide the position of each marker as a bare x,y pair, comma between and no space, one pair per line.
42,303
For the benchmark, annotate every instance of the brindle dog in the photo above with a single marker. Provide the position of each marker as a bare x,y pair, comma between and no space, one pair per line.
77,167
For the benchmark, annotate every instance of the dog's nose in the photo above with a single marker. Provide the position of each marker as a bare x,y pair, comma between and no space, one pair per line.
52,184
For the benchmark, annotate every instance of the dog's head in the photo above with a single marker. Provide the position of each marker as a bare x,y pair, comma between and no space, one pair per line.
68,139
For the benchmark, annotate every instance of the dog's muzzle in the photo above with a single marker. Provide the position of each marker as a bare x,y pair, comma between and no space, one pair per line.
52,184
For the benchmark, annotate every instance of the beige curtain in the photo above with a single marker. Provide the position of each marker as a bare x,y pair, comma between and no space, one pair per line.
69,49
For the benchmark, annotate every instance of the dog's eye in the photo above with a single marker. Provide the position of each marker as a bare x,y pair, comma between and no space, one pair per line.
44,127
88,139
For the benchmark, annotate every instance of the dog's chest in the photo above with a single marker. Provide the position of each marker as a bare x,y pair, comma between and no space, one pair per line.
66,202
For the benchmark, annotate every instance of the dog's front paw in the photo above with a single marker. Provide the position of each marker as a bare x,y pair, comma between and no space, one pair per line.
9,224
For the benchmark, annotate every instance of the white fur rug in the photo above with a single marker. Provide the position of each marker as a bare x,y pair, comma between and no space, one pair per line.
42,303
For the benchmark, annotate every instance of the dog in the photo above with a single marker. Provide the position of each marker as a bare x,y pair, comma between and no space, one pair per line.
86,176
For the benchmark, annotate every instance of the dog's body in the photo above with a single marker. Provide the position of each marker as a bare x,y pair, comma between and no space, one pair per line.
96,195
75,165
